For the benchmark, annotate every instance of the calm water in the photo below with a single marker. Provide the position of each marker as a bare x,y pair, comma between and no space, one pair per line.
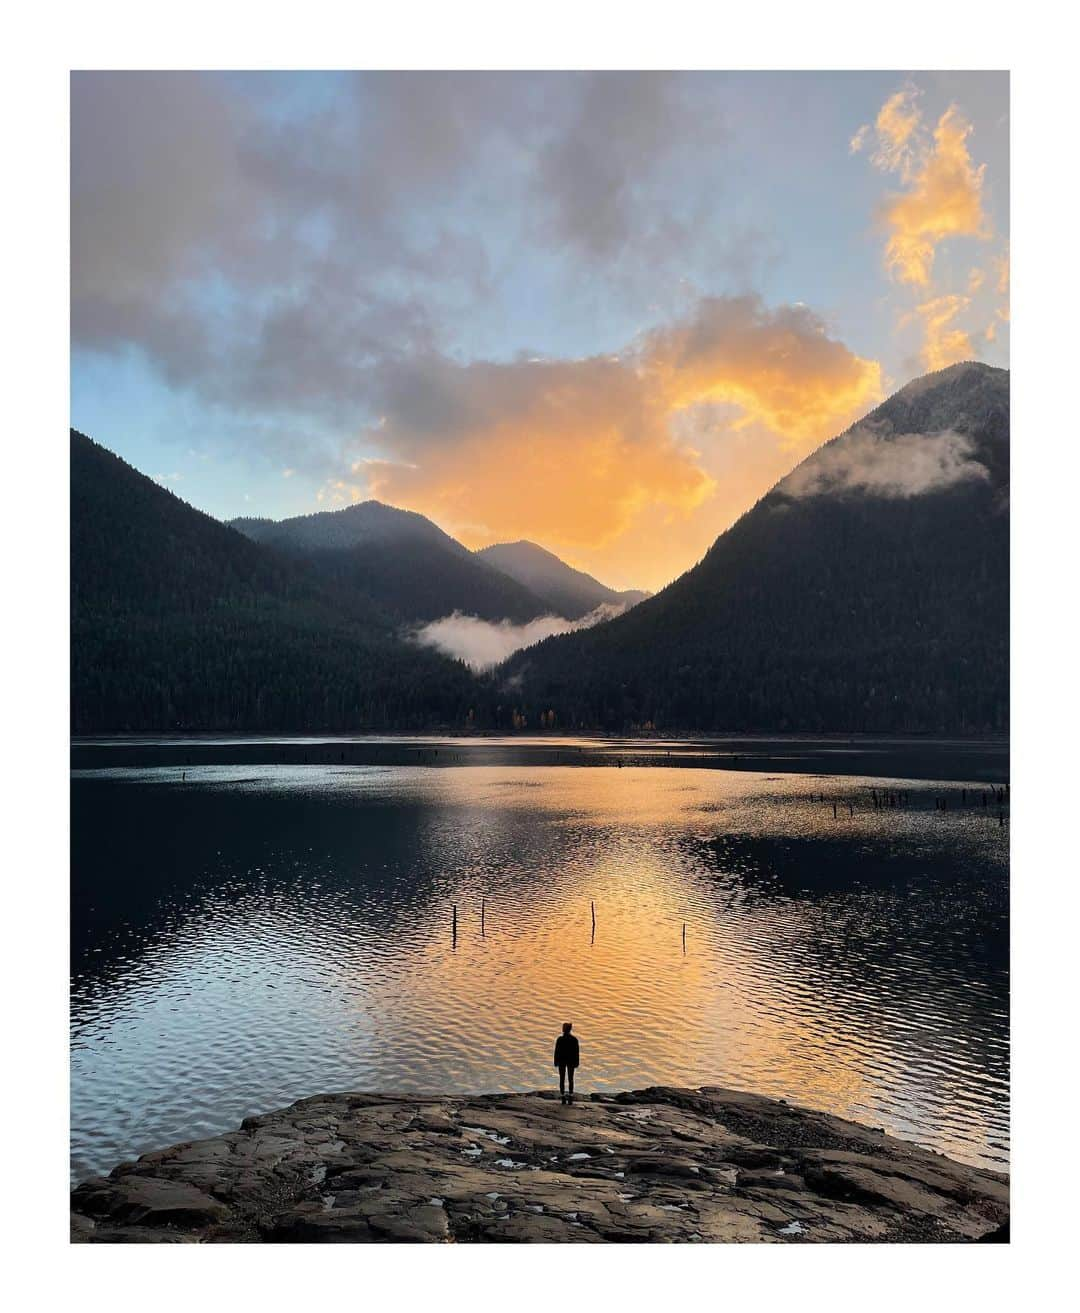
256,933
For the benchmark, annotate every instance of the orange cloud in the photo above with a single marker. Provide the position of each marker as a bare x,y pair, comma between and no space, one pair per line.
944,344
566,451
898,123
944,199
576,453
1001,270
779,367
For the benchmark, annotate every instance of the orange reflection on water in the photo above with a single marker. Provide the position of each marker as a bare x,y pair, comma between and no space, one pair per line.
646,1011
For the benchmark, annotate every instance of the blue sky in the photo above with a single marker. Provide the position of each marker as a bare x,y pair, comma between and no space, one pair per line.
604,311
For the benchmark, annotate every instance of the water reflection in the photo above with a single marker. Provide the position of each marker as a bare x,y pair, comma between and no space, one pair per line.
253,934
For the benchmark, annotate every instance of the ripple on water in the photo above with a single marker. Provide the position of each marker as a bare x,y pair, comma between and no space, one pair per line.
269,935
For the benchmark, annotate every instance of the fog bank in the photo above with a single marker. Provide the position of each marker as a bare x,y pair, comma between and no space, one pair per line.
901,465
482,644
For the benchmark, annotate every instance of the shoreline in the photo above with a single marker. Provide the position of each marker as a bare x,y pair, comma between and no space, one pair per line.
973,761
662,1164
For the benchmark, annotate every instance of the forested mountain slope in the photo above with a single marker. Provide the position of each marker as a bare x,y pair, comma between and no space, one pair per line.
401,561
180,622
869,590
568,592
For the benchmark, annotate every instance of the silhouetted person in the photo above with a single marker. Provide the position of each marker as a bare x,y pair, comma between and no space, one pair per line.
567,1056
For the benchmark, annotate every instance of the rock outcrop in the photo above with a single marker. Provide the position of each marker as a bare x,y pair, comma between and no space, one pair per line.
662,1164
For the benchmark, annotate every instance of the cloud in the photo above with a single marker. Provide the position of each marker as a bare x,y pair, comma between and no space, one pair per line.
897,126
591,188
1000,265
859,140
572,452
260,238
900,465
943,199
780,367
482,644
944,343
155,184
562,450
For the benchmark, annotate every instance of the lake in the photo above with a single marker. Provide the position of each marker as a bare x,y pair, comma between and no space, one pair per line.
246,933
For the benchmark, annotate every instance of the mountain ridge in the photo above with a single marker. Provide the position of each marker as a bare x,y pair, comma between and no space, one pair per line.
572,593
417,572
180,622
866,592
402,561
838,609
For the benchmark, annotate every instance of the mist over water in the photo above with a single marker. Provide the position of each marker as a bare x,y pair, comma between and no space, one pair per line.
253,934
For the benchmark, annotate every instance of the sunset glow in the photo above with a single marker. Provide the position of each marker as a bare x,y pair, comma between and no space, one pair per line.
478,308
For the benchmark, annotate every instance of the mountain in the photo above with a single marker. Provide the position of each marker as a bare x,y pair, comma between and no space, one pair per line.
360,525
568,592
868,591
180,622
400,561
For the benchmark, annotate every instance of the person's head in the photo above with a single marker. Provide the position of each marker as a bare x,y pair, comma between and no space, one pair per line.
567,1027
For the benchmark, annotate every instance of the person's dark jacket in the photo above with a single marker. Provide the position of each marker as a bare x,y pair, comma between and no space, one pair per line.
566,1051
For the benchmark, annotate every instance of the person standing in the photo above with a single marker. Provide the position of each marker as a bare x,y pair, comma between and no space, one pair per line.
567,1057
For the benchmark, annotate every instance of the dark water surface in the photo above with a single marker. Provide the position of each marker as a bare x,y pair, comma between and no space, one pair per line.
256,933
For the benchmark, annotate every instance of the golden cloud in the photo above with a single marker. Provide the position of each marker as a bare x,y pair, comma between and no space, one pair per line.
1001,272
897,124
779,367
944,344
858,141
575,452
944,199
565,451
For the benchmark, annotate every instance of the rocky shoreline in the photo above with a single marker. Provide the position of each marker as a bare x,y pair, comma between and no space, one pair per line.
654,1165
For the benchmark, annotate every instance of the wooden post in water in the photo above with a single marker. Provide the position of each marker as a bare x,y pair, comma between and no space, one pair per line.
455,924
834,811
684,936
483,910
592,907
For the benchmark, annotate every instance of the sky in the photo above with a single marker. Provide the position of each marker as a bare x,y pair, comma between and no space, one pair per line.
602,311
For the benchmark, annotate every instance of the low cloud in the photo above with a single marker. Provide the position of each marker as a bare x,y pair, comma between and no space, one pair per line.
482,644
901,465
